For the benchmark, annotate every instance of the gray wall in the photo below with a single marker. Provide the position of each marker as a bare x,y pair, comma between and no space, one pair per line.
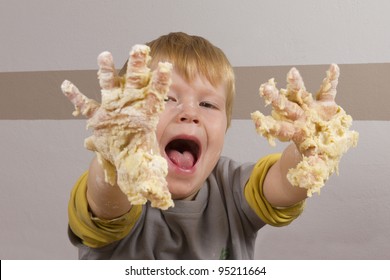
42,154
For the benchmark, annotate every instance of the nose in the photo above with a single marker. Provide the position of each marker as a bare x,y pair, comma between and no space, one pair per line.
188,114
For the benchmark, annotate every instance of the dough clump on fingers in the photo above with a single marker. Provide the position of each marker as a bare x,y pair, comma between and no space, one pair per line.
319,127
124,126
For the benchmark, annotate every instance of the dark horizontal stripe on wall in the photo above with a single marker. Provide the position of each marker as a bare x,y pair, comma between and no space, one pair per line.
38,95
363,90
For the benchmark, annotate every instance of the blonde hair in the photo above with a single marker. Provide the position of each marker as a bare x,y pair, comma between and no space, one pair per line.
193,55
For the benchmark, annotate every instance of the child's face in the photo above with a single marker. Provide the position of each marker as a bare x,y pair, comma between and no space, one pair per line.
191,133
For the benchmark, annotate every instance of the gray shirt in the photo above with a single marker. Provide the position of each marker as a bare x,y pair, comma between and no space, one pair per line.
218,224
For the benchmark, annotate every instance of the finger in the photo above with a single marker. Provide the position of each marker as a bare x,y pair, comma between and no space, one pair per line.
108,79
82,104
282,106
296,91
270,128
326,105
327,91
159,87
161,79
138,73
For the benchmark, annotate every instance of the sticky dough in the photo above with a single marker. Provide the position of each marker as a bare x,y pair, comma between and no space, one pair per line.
323,140
124,125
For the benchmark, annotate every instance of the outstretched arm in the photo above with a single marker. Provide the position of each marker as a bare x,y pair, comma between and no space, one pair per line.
277,188
106,201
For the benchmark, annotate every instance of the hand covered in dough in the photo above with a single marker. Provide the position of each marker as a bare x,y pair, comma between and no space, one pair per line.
124,125
318,126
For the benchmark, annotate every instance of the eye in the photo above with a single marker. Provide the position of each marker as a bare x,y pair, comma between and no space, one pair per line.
170,98
207,105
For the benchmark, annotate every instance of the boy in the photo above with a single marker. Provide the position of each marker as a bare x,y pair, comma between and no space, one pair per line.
219,204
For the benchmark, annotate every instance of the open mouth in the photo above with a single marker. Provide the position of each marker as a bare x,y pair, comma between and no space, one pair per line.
184,153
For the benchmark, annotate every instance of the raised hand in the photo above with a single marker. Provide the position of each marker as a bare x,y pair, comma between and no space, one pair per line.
124,125
318,127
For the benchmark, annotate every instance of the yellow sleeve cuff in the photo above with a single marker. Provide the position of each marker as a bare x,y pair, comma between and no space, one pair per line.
95,232
255,197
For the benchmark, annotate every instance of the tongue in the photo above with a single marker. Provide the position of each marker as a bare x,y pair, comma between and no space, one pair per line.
183,160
